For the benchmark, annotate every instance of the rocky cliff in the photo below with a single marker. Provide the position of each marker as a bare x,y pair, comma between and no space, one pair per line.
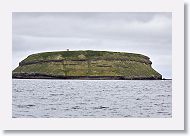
86,65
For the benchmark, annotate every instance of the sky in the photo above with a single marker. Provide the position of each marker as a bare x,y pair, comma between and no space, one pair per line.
147,33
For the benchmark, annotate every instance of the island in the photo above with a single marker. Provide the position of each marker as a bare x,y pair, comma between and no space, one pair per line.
86,65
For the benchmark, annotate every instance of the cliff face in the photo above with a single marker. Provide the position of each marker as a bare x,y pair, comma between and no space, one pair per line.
86,65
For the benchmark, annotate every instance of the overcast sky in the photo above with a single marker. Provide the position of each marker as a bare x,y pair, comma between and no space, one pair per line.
145,33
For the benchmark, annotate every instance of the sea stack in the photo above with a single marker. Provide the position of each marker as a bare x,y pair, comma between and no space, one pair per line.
87,64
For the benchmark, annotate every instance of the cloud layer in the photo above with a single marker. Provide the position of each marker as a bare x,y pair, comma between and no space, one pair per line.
146,33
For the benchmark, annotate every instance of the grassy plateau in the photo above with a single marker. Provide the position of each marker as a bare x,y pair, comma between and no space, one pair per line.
88,63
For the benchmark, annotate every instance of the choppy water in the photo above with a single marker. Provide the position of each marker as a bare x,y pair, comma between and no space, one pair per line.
91,98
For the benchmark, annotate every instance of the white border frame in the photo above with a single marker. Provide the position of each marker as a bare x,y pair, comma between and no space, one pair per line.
174,6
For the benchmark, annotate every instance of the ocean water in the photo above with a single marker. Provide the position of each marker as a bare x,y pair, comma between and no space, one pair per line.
39,98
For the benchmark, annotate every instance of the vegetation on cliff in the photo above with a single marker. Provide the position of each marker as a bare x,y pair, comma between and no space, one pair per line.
87,63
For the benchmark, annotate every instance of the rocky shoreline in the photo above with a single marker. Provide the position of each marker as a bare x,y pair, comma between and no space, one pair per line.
47,76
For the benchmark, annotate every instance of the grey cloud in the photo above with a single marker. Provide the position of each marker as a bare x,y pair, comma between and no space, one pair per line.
146,33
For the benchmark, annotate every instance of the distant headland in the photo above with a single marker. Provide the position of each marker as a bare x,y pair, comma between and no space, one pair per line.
87,65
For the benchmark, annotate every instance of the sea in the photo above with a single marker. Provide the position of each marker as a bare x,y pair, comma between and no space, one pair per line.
47,98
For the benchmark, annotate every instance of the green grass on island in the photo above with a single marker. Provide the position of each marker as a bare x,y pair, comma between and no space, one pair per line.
88,63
